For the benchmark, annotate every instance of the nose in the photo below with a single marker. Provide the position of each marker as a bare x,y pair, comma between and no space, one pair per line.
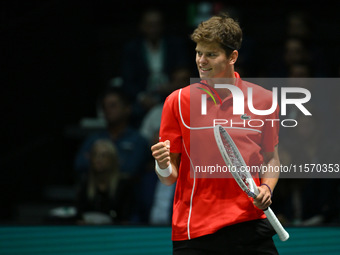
202,59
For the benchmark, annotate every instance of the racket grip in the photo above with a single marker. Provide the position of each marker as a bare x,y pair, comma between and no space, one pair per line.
274,221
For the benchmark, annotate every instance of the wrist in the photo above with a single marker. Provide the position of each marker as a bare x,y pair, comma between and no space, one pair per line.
270,190
166,172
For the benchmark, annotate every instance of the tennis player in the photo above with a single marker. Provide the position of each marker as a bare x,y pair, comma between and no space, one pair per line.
213,215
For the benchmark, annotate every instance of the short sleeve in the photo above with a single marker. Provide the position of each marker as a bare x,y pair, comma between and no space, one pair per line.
170,128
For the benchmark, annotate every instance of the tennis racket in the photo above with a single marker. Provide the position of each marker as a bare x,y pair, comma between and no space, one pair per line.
233,159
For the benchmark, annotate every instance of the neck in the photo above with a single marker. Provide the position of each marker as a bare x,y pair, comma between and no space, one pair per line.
231,73
229,79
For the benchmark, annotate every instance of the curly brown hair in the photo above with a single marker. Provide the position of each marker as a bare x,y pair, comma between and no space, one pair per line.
221,29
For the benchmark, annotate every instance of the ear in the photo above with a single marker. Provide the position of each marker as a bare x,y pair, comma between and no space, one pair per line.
233,57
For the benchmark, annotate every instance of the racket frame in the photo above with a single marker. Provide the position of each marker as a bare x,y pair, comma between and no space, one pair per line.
251,189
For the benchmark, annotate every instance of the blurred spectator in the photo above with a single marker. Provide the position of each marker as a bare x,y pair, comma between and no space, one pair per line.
301,46
133,150
198,12
306,201
162,195
318,195
299,70
298,26
295,52
296,148
130,144
304,145
180,77
103,196
148,61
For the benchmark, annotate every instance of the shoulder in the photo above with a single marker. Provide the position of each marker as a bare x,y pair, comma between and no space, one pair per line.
172,98
182,92
178,96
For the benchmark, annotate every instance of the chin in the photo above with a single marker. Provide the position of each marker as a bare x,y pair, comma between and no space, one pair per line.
202,76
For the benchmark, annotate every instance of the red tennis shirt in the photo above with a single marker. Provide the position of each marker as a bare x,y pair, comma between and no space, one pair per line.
204,201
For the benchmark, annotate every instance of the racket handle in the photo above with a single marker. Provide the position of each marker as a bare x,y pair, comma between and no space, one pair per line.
281,232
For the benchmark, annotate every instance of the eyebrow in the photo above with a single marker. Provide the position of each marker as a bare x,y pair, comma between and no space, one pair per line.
208,52
212,51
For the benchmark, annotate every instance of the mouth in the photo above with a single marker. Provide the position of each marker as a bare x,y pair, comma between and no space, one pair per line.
205,70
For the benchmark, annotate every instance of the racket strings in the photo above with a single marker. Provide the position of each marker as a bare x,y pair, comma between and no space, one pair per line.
236,163
238,168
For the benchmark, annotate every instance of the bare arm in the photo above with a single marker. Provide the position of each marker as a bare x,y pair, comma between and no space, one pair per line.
270,178
161,153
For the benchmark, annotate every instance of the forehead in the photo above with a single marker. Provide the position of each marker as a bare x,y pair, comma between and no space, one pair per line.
208,47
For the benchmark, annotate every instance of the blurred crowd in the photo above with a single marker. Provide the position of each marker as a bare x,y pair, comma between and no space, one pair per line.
114,170
121,182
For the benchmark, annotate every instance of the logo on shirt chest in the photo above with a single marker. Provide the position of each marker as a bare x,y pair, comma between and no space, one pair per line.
239,103
245,117
239,100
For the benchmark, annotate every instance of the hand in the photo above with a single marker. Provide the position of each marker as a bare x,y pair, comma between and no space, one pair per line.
161,153
264,199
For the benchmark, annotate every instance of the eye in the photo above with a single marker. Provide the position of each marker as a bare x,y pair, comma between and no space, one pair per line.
199,53
212,54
